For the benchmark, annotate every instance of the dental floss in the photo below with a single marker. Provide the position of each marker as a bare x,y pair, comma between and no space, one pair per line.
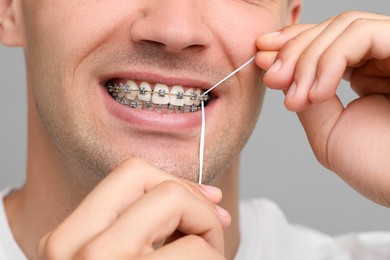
201,145
202,131
231,74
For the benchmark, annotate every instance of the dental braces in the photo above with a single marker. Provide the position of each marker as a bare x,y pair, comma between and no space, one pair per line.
148,105
122,88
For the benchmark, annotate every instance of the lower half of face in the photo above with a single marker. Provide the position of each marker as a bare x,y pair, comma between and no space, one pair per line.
98,130
134,88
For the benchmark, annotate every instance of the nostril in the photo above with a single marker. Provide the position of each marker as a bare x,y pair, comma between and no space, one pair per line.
198,47
168,48
154,43
178,26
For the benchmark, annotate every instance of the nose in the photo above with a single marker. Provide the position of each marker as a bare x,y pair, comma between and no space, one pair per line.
175,25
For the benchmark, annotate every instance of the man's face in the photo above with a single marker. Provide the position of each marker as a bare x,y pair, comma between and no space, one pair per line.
75,49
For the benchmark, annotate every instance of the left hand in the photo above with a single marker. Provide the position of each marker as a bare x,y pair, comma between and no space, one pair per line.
309,62
141,212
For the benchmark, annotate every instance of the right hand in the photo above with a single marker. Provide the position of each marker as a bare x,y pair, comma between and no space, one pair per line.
133,211
352,141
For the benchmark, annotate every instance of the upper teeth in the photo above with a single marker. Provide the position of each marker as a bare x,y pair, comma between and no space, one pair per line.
161,94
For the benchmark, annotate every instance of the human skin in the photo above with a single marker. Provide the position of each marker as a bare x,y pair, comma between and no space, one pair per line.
332,130
352,141
75,139
64,82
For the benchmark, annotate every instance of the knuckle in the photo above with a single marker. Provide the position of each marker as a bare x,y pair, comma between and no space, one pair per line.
136,166
133,162
359,23
173,189
89,251
328,56
197,242
330,19
305,57
290,48
287,47
350,15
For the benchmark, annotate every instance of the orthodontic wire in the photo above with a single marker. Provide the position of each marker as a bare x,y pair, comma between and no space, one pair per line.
202,131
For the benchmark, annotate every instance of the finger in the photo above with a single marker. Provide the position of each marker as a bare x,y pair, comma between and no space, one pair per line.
343,152
275,40
297,59
152,218
347,75
280,74
374,67
270,43
188,247
264,59
101,207
370,78
365,86
311,46
105,203
318,121
213,193
225,220
305,73
363,39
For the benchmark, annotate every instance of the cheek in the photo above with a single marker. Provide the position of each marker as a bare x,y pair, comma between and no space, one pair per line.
67,31
60,34
249,101
252,100
243,23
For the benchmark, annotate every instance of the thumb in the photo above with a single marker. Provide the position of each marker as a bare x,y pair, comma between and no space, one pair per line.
319,121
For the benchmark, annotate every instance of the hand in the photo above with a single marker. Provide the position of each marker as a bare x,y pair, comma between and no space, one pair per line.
308,63
133,211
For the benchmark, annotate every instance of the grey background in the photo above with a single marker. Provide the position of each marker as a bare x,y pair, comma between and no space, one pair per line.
277,163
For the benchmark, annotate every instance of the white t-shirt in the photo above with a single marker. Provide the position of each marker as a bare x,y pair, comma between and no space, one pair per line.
9,249
265,235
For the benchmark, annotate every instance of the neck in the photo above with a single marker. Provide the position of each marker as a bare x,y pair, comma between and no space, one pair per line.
48,197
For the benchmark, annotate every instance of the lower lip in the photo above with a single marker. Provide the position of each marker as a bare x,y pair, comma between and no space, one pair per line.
155,121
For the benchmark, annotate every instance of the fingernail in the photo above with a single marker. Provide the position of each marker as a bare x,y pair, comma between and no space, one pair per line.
221,211
275,67
292,90
210,189
273,34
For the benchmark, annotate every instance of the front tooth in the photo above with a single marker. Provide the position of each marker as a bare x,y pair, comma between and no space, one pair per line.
131,90
197,100
145,92
187,97
121,93
161,94
177,98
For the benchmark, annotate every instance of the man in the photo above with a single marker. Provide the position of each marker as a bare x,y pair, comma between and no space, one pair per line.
99,74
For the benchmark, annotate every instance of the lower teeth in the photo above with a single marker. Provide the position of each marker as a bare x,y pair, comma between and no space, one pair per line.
147,105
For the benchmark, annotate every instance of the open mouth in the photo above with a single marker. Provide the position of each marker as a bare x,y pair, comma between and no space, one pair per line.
157,96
